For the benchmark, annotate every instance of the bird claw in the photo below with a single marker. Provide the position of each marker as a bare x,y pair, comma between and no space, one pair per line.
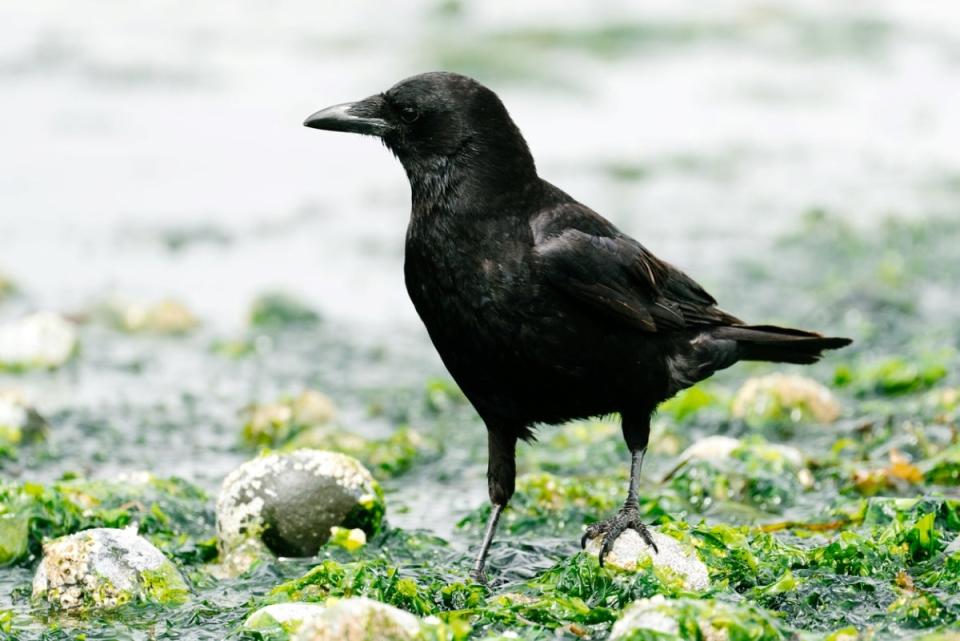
480,577
628,518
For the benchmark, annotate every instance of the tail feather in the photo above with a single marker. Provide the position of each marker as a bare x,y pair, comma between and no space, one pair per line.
779,344
721,347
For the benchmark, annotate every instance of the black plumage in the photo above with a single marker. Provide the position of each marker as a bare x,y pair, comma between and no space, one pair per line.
542,310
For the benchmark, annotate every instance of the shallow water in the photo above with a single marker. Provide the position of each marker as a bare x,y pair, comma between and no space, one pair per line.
156,150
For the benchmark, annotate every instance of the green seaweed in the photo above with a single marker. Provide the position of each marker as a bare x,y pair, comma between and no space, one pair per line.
390,456
275,310
856,536
173,514
426,594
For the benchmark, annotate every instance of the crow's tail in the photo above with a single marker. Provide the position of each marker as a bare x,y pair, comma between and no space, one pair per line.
778,344
720,347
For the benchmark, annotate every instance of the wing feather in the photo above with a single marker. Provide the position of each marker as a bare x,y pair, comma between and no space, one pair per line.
614,274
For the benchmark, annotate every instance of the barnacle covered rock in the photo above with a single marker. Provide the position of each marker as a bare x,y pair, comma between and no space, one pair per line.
721,469
719,448
360,619
104,568
672,558
712,448
281,619
694,620
166,316
651,614
288,503
785,397
273,424
42,340
19,422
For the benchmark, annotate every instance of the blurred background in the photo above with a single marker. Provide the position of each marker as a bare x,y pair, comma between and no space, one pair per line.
154,150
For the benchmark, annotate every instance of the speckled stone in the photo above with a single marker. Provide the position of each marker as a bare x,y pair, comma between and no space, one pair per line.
104,568
359,619
43,340
659,615
285,617
785,394
290,502
166,316
629,550
712,448
644,614
717,448
19,422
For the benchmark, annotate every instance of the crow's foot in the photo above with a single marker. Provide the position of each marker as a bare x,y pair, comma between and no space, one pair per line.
628,518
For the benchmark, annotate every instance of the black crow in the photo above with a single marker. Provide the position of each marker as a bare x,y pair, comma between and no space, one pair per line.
541,309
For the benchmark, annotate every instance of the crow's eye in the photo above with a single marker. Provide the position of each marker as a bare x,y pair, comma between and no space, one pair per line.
409,114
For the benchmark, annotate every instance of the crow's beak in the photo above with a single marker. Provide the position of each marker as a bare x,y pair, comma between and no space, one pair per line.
363,117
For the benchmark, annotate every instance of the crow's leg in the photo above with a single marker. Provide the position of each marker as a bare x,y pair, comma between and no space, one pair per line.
636,432
501,478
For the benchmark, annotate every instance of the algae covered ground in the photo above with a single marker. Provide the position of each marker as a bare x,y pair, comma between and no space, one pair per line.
829,514
799,160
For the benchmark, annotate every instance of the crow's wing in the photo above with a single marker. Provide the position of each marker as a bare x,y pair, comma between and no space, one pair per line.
584,256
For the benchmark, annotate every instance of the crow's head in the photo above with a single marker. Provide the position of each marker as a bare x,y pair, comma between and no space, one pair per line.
437,124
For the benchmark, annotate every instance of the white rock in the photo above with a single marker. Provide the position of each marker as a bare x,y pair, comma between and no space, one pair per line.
785,396
275,423
19,422
359,619
629,550
288,503
661,615
718,448
313,408
13,410
44,339
644,614
105,568
166,316
712,448
289,617
778,453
